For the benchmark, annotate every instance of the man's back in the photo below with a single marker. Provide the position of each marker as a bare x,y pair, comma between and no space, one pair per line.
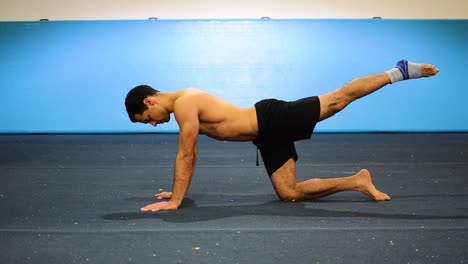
220,119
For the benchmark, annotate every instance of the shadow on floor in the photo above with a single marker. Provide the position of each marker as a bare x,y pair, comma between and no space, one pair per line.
190,212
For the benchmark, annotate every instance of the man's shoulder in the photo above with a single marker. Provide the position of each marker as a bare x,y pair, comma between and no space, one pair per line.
188,95
195,95
189,98
191,90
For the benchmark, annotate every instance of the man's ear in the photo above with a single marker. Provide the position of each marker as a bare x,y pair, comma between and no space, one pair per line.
149,101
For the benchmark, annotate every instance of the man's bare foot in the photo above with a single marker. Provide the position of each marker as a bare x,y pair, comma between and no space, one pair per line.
365,185
428,70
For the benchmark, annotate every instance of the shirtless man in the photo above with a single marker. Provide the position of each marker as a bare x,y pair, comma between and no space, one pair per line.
272,125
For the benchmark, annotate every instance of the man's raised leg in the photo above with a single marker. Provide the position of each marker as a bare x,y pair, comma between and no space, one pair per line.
335,101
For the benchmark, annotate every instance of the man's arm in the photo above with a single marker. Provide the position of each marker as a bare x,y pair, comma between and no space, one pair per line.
186,157
186,113
168,195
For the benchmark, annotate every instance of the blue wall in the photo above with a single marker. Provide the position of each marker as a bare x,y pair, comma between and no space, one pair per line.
73,76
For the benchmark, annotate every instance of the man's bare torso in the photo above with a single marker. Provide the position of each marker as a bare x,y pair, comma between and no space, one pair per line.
220,119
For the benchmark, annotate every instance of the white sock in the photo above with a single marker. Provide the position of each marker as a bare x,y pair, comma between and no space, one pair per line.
395,75
405,70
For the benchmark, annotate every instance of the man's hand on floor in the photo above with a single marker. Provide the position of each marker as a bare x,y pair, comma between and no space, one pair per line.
161,206
163,195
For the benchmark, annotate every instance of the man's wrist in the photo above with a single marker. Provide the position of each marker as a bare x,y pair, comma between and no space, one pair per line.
176,204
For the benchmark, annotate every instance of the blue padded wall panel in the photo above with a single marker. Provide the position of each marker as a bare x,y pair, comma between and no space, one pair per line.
72,76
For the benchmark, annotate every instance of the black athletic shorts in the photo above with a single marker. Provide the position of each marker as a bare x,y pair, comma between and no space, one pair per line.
281,123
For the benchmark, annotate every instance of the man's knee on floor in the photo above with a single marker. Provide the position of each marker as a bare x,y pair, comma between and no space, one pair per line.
291,196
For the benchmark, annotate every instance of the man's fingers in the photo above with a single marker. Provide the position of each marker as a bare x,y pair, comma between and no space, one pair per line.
148,209
160,206
163,195
151,208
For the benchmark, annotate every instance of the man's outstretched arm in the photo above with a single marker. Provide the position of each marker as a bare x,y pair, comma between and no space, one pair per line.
187,117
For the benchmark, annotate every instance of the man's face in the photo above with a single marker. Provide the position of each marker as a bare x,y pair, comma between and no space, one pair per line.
154,115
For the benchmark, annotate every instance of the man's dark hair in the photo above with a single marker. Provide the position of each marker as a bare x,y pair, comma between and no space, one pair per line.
134,100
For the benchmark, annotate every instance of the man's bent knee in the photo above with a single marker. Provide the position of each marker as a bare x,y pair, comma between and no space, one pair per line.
284,182
292,196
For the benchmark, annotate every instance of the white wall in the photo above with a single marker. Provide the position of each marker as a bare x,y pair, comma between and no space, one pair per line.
31,10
